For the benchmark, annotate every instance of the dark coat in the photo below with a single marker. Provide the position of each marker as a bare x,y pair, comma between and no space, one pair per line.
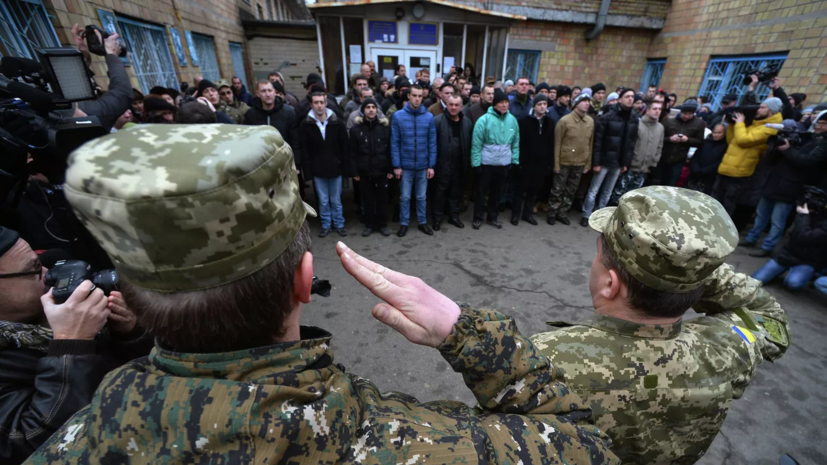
704,164
115,101
807,243
477,110
40,391
243,95
304,106
443,135
536,151
324,157
282,117
556,112
614,139
369,150
797,167
677,152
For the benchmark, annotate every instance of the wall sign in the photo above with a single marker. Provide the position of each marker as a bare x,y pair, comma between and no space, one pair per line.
110,25
179,47
193,53
423,34
382,32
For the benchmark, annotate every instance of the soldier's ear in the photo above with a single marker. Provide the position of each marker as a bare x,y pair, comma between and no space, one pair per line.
303,279
611,287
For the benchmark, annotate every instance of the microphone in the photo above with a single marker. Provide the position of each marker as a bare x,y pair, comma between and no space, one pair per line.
776,126
15,67
48,258
36,98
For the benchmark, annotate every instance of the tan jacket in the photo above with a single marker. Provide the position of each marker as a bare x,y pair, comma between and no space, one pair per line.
649,145
573,139
436,109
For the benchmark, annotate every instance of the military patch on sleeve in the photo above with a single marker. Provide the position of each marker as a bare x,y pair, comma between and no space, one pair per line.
744,333
776,332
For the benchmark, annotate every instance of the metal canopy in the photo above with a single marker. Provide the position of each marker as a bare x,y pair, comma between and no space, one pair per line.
321,6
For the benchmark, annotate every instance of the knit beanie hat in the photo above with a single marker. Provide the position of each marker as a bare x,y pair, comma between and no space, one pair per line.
583,96
475,90
690,104
598,87
624,91
638,97
539,98
317,87
562,91
798,97
774,104
499,96
8,238
279,87
541,86
312,78
587,91
612,96
508,83
205,84
401,82
366,102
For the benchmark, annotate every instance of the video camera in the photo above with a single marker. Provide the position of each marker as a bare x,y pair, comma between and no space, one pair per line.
67,275
95,45
765,74
787,134
749,112
815,198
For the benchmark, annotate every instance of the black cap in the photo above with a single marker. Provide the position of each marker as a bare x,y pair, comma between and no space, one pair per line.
158,90
562,91
689,104
475,90
312,78
401,82
625,90
157,104
317,87
539,98
598,87
541,86
204,85
499,96
366,102
729,98
8,237
277,85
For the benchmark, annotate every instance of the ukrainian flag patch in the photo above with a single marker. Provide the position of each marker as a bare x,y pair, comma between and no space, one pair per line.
744,333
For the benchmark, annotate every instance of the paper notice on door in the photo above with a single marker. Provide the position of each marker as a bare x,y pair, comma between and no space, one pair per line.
356,54
425,61
388,73
447,62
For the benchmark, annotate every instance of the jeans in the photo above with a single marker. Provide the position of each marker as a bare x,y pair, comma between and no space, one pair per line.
797,278
604,183
770,211
667,174
492,180
375,200
329,192
413,179
821,284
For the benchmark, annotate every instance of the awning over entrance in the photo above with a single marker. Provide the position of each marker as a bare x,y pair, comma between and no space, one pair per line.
433,35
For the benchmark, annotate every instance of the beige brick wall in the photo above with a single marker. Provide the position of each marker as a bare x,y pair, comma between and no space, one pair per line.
217,18
697,30
269,54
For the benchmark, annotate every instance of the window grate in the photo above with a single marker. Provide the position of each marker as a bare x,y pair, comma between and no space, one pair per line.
237,54
150,55
652,74
522,63
24,26
205,49
725,75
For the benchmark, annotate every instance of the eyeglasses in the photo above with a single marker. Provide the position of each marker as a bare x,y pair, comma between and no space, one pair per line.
37,269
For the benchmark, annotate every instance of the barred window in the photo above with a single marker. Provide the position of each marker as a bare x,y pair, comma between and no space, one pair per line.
149,50
237,54
725,75
205,49
522,63
652,74
25,25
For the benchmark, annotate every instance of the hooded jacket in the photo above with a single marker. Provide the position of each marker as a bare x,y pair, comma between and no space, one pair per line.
676,152
324,157
746,145
807,242
517,108
281,117
369,150
555,112
536,150
649,145
290,403
614,138
413,139
243,95
704,164
443,140
496,140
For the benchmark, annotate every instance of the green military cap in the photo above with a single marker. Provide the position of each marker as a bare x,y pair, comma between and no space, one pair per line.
668,238
188,207
221,83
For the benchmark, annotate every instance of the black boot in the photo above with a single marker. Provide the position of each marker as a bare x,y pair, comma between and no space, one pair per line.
456,222
402,231
437,225
515,220
530,220
550,220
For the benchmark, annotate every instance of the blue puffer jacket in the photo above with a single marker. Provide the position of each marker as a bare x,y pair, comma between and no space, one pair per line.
413,139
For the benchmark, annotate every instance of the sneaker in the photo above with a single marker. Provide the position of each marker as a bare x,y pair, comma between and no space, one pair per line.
761,253
367,232
563,220
495,223
584,222
385,232
402,231
456,222
476,224
342,232
324,232
426,229
746,243
530,220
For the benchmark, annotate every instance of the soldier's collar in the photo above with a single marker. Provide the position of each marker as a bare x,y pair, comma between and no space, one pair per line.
280,363
632,329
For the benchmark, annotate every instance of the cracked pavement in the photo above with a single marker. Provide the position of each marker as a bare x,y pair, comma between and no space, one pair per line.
538,274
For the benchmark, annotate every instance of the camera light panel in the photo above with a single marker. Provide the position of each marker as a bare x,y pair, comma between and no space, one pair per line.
70,73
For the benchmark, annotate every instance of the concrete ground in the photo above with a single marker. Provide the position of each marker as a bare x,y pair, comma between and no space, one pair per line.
538,274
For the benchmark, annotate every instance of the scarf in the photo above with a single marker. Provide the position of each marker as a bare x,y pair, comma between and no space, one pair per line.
24,336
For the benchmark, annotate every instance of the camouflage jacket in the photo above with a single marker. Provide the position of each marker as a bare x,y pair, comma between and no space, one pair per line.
662,392
236,111
289,403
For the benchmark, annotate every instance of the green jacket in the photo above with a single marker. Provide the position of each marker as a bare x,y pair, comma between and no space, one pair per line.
496,140
236,111
289,403
662,392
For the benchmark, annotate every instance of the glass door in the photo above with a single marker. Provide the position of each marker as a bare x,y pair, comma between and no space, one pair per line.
386,60
419,59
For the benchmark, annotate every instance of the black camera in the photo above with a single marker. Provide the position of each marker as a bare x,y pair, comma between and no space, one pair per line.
321,287
786,134
765,74
67,275
749,112
95,45
815,198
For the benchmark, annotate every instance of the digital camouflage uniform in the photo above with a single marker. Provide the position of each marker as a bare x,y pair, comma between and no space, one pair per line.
235,110
167,201
662,392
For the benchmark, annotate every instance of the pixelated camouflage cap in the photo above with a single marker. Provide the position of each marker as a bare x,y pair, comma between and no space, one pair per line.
187,207
668,238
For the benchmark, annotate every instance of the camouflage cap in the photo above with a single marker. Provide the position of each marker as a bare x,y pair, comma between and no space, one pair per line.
221,83
668,238
187,207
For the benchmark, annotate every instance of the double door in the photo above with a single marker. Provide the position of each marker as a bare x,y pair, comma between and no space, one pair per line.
387,59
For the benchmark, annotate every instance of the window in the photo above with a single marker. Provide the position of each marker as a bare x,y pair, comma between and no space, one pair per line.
151,59
725,75
522,63
205,49
283,14
652,74
237,54
260,12
25,25
270,10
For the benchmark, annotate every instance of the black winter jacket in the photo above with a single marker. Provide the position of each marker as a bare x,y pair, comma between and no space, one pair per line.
536,151
797,167
676,152
704,164
115,101
324,157
40,391
555,112
369,150
282,117
807,243
443,133
304,107
614,139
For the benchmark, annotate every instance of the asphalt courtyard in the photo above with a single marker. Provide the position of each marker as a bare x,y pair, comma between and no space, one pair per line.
540,273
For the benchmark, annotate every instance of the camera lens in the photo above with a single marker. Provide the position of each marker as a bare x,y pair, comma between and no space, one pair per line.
106,280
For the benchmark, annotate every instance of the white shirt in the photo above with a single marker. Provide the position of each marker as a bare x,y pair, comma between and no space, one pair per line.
322,125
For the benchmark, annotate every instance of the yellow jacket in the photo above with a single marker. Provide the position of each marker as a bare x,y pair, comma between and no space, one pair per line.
746,145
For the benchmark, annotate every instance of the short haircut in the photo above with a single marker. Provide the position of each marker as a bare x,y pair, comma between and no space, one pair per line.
235,77
398,67
243,314
359,77
444,85
263,82
651,86
490,85
365,89
576,87
416,87
318,94
425,71
647,300
455,96
522,78
273,74
195,113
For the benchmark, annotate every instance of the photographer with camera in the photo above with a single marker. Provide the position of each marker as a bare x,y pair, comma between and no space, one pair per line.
115,101
51,355
796,166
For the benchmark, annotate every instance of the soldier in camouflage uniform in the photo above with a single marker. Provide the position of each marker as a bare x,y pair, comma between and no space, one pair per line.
661,387
234,108
188,211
